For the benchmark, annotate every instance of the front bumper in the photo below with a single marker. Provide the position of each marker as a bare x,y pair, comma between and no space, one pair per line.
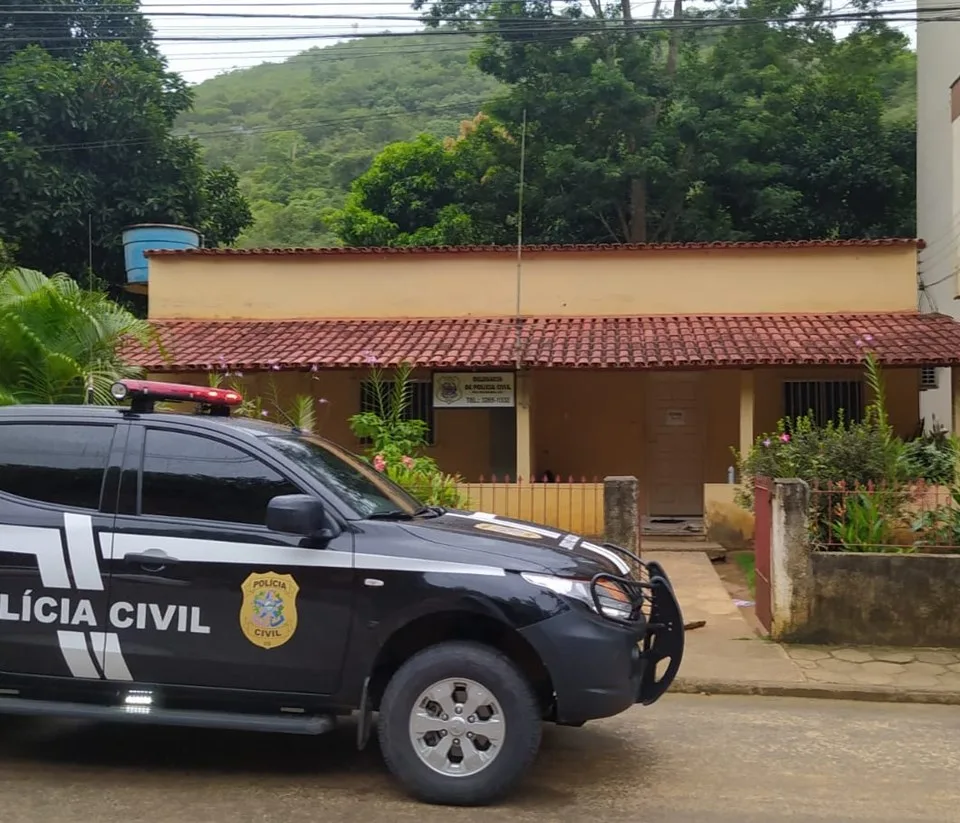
600,667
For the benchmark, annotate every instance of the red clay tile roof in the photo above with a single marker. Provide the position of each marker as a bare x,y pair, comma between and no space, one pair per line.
407,250
646,342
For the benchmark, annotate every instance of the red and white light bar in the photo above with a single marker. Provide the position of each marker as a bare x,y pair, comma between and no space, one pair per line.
174,392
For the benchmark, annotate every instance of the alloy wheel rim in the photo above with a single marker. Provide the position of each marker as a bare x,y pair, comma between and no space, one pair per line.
457,727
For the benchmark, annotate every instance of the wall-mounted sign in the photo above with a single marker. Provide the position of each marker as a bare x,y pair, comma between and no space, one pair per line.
676,417
472,390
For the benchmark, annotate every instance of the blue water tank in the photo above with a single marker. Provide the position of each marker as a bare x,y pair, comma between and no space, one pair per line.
143,236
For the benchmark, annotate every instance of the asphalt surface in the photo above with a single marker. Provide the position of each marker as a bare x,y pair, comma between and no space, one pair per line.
689,759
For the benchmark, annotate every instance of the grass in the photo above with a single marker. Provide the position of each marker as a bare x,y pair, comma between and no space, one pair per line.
747,563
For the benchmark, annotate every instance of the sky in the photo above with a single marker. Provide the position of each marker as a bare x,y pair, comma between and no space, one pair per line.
198,61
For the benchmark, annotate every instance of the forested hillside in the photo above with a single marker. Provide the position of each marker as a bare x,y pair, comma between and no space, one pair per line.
300,132
759,134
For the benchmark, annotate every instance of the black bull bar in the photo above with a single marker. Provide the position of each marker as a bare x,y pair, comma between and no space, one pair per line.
653,598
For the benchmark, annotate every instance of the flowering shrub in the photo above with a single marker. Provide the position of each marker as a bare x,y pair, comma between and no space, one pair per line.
300,414
853,453
863,475
396,442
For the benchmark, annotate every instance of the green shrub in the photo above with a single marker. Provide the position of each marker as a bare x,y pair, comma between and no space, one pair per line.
932,457
858,471
397,442
865,453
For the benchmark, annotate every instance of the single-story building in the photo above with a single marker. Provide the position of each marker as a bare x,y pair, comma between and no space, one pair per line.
585,361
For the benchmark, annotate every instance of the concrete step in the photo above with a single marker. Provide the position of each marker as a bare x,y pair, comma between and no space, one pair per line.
682,544
679,537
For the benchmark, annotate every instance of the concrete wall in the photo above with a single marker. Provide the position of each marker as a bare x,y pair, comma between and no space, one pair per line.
724,520
612,283
856,598
884,599
938,209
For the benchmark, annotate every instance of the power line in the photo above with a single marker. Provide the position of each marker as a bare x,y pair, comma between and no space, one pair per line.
259,130
439,109
568,26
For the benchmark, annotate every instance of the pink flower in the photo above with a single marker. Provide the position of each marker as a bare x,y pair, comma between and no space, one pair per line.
407,461
868,337
370,358
264,413
859,344
784,438
379,463
322,400
767,442
313,368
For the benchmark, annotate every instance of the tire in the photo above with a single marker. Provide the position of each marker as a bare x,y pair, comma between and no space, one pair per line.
509,692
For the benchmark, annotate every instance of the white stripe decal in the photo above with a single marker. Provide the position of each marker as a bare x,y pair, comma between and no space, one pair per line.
44,544
187,550
82,552
492,518
73,645
382,562
613,557
110,656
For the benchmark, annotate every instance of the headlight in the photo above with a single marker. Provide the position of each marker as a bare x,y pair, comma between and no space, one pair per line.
614,601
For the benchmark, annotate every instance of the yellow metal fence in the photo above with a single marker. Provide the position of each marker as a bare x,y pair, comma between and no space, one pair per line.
574,507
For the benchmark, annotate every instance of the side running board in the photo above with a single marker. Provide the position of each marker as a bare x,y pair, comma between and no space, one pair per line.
152,715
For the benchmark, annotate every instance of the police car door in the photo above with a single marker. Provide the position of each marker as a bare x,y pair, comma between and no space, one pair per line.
192,557
57,498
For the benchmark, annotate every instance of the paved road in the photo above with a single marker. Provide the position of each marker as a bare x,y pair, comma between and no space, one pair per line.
688,759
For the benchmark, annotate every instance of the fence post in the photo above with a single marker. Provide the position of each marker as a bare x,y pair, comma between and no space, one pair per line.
791,577
621,517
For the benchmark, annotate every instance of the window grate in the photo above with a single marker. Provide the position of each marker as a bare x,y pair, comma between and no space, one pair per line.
929,377
824,400
419,407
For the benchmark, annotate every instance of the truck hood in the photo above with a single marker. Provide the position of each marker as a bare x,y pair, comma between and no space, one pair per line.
519,545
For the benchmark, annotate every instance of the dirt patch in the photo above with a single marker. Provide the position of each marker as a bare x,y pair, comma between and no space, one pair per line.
735,572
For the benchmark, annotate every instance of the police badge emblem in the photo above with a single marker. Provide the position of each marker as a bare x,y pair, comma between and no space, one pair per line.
447,388
268,615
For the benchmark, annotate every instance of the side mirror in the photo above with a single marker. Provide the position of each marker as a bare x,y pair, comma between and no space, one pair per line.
298,514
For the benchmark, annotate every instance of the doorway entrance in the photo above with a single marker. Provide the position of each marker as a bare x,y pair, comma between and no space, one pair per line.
675,444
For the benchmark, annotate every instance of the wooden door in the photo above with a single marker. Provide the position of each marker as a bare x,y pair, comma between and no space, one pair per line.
675,444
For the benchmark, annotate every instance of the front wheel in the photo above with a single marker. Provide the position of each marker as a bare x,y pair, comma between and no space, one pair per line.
459,724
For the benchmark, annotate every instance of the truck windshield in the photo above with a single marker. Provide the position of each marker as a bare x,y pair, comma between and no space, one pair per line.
355,482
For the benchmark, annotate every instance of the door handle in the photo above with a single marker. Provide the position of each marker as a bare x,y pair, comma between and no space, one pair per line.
153,560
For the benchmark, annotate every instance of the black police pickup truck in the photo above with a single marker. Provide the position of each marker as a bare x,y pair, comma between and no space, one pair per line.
202,570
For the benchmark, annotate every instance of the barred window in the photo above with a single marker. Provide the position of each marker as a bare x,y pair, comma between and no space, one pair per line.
824,399
419,407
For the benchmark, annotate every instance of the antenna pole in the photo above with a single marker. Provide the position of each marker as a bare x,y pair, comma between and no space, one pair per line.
88,394
523,159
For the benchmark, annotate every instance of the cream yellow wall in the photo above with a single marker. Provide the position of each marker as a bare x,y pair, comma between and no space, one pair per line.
591,424
584,423
588,423
902,388
462,435
614,283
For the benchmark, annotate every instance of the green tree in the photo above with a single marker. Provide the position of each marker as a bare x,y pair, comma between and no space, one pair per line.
57,340
67,28
680,133
435,192
87,147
